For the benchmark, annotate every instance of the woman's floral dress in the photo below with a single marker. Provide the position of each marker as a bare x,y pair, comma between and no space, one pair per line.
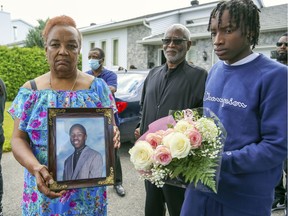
30,106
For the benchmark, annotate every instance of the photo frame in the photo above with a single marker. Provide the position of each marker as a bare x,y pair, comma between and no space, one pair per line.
80,147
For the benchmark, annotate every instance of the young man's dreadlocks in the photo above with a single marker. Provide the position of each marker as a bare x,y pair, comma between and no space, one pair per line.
244,13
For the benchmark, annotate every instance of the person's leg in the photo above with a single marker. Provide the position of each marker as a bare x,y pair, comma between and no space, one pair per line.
174,197
285,184
1,177
198,203
118,175
154,204
279,196
227,211
194,203
118,168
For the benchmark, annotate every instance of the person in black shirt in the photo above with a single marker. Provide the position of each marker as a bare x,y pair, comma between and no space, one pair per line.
2,138
280,199
176,85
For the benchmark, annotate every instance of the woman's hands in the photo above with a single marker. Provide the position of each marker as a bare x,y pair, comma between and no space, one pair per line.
24,155
116,137
43,179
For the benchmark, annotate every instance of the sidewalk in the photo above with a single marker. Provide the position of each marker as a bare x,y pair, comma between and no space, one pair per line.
130,205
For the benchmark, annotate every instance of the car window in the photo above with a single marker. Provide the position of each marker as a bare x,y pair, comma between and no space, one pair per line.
128,83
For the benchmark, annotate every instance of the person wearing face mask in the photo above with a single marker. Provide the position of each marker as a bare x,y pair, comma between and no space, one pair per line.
96,58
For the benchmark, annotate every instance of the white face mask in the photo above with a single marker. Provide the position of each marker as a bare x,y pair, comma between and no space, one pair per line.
94,64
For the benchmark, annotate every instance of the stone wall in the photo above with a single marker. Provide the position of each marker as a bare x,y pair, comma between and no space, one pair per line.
137,54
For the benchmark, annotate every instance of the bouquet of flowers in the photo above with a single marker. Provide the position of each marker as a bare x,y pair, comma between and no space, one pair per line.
186,145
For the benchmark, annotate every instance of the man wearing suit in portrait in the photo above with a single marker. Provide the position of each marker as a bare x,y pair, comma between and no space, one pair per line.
84,163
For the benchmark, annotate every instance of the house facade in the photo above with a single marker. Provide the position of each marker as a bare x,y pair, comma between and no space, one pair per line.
138,41
13,32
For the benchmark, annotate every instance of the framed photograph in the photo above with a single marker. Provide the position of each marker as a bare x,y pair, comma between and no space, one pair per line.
80,147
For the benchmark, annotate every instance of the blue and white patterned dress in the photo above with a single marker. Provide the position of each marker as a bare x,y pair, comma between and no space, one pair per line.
30,106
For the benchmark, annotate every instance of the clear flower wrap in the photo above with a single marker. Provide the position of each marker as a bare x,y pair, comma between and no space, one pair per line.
182,148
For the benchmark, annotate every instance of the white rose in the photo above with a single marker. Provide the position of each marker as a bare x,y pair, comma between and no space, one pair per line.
182,126
141,155
178,143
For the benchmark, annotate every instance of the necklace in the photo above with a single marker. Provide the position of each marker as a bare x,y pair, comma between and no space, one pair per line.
67,95
50,82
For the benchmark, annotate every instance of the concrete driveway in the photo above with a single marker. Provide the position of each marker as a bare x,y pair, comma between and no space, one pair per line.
130,205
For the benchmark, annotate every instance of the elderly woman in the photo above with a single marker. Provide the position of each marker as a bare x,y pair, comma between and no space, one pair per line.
63,86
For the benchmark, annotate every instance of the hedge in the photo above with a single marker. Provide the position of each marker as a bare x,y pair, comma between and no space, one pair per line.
18,65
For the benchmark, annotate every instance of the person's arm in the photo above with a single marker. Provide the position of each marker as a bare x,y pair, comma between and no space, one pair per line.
137,132
108,101
112,89
111,81
24,155
271,148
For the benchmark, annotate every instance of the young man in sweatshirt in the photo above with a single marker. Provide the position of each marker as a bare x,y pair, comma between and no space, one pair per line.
248,92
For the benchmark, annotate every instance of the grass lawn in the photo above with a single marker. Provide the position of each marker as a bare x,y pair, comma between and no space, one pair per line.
8,128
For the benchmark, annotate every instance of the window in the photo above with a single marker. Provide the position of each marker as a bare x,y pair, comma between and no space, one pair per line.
103,47
189,22
115,52
15,33
92,45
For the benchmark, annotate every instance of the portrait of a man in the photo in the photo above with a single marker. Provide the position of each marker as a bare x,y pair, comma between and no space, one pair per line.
84,162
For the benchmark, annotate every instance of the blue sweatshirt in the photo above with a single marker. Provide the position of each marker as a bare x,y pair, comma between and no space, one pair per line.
251,102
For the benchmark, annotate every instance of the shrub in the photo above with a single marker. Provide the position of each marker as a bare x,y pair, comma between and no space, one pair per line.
18,65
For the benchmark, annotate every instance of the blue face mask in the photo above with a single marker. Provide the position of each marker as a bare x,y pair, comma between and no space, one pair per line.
94,64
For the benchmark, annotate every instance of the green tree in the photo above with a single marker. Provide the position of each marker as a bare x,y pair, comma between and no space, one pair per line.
34,36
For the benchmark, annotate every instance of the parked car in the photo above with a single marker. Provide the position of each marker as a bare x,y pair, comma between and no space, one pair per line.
127,96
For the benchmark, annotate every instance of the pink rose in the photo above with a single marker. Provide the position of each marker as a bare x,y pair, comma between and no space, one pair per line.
164,133
162,155
168,131
194,137
160,132
154,139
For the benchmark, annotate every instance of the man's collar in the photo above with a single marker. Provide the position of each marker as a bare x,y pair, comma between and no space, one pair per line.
80,149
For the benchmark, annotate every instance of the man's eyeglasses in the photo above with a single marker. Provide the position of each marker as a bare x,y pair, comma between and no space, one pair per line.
279,44
167,41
